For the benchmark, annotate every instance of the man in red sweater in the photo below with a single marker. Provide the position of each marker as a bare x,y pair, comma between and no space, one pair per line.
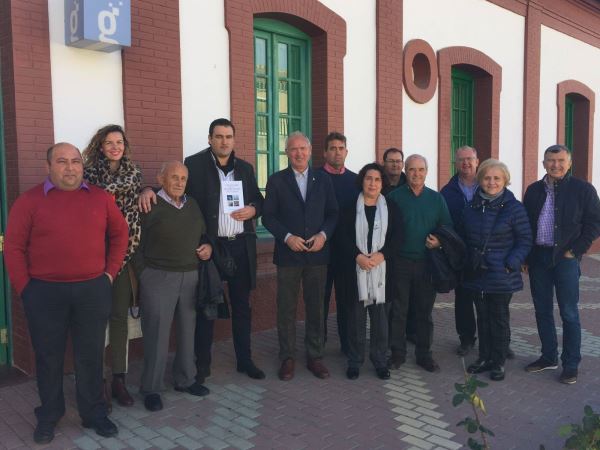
65,243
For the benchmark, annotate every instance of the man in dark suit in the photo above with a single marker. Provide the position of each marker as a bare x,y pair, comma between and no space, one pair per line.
301,212
208,170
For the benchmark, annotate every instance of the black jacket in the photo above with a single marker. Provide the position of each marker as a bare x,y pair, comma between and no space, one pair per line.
446,263
286,212
204,186
576,214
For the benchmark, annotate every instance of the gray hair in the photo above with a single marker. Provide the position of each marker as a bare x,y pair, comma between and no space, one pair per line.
297,134
168,164
466,147
415,156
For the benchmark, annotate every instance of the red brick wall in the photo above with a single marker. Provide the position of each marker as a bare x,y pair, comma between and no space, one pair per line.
152,85
388,133
28,120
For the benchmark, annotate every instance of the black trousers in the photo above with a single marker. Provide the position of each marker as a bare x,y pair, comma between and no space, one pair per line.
53,310
412,283
493,324
338,279
464,316
378,334
241,315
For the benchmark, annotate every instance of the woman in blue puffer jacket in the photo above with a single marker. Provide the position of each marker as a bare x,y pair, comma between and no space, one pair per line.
496,230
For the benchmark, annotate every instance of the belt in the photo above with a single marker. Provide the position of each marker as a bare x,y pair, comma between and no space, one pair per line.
232,238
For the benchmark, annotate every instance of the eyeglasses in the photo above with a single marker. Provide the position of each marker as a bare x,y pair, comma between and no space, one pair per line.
466,159
394,161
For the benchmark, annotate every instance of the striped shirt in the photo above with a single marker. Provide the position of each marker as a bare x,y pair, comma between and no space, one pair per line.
545,230
227,225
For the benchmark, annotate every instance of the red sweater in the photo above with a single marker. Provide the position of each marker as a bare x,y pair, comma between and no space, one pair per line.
64,236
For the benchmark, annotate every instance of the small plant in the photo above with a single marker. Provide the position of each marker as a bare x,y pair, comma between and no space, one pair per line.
467,392
585,436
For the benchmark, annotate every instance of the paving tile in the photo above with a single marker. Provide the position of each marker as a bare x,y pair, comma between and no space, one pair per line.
163,443
188,443
138,443
419,443
86,443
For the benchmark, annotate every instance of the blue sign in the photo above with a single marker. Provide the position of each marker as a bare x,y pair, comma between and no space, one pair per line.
103,25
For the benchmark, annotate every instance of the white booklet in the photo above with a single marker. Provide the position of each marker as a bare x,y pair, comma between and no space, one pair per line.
232,194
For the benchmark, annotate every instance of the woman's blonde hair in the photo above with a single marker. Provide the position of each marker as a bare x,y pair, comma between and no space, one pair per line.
493,164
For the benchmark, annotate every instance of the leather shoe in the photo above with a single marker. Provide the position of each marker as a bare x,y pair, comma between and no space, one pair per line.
352,373
428,364
194,389
102,426
251,370
317,368
396,360
153,402
383,373
119,391
44,432
479,366
286,371
497,373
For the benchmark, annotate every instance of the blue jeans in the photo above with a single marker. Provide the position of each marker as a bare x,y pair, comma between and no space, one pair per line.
563,277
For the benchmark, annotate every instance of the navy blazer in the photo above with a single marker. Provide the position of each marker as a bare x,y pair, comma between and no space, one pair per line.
285,211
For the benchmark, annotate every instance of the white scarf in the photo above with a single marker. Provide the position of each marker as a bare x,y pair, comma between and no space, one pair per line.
371,284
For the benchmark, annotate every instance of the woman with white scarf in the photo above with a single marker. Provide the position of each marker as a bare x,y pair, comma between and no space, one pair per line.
372,234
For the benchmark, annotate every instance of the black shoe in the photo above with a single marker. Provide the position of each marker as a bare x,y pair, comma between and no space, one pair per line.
102,426
568,376
429,365
480,366
464,348
44,432
195,389
541,364
383,373
153,402
251,370
352,373
509,353
497,373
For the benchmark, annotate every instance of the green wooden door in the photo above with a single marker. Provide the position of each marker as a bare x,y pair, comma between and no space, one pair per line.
282,93
4,291
462,112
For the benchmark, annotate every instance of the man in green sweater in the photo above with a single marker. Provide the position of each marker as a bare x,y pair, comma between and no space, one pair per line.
167,267
423,210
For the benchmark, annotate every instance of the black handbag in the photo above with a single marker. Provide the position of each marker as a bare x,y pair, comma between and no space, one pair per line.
223,260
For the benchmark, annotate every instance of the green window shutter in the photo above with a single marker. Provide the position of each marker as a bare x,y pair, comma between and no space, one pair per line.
569,108
282,57
462,112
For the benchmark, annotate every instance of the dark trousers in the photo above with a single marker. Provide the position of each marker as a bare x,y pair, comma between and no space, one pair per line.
288,288
493,324
412,282
339,280
464,315
378,334
241,315
53,310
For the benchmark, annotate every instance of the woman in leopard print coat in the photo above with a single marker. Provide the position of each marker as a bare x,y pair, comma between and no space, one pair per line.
108,165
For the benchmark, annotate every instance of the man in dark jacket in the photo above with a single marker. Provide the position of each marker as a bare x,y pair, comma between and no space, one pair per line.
457,193
564,213
301,212
346,193
209,171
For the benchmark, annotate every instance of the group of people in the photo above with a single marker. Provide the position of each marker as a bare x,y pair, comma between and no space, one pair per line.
89,242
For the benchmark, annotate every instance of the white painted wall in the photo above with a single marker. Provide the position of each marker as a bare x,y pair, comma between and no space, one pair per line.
87,85
360,82
204,69
565,58
490,29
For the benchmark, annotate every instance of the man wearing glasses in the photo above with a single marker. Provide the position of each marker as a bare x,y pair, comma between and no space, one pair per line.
393,164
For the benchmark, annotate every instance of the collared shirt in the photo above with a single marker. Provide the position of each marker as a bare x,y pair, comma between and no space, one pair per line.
302,180
545,230
48,186
227,225
162,194
468,191
332,170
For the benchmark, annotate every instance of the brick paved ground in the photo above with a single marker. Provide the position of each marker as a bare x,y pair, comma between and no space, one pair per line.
411,411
